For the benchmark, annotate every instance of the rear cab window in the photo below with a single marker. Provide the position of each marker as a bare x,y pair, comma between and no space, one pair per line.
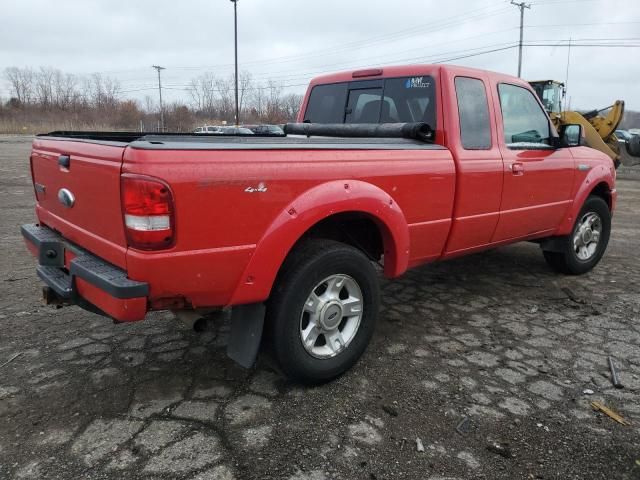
390,100
473,113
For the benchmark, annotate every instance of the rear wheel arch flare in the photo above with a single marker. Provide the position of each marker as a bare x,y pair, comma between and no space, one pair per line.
312,208
355,228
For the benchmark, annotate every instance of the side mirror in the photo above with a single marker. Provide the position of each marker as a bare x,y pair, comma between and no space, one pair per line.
571,135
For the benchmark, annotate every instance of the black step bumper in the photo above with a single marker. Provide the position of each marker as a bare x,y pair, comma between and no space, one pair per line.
50,250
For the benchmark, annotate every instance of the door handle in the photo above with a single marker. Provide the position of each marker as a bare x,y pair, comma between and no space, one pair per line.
517,168
64,161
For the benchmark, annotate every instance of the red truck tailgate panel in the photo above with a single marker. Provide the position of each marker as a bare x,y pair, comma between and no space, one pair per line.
93,216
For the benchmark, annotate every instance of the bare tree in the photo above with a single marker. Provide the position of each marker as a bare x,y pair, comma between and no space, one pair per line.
21,80
291,105
149,104
49,97
44,86
203,93
258,99
226,99
244,87
65,93
274,102
102,92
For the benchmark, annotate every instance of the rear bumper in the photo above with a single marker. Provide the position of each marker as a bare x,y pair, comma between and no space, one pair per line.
81,278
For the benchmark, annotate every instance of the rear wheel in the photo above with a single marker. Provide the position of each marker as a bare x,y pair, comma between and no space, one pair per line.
580,251
323,310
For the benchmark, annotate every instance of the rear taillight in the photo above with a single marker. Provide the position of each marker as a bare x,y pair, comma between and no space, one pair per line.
147,206
33,177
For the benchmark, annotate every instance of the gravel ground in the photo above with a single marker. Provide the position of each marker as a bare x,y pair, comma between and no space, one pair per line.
494,338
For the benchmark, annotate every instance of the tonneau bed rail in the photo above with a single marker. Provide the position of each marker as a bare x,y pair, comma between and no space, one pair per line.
413,131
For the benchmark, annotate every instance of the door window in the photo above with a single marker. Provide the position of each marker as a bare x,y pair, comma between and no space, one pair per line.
473,111
525,124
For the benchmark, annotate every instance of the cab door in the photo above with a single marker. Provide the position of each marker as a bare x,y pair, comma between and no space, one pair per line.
537,177
474,144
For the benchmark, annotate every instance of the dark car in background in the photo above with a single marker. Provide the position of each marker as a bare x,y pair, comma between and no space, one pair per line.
623,135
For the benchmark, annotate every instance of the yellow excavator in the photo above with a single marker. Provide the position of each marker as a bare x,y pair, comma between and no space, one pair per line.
599,126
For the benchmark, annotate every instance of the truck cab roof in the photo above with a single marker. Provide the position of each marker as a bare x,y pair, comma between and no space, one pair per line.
408,71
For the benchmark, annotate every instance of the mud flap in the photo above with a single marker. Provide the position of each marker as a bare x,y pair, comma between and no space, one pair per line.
553,244
246,332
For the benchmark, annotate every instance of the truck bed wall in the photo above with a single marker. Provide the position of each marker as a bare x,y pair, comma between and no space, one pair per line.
226,200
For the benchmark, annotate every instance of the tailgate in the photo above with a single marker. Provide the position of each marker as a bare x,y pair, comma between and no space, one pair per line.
77,187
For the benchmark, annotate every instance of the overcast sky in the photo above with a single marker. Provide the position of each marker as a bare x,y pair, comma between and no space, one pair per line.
291,41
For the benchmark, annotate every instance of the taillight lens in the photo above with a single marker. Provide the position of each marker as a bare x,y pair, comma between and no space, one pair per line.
33,177
147,206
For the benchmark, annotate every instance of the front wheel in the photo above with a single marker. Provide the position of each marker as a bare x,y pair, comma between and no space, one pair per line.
580,251
323,310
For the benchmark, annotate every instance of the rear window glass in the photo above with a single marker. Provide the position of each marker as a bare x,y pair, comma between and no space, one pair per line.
405,99
473,110
363,106
327,103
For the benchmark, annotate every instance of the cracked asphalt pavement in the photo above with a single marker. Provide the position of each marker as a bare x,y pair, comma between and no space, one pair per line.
491,361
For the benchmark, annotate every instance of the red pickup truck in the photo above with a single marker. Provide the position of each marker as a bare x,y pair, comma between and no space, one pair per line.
401,166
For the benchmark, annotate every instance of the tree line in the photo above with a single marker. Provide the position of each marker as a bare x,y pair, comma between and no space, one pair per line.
48,99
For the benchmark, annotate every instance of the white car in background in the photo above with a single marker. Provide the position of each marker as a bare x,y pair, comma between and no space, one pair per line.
208,129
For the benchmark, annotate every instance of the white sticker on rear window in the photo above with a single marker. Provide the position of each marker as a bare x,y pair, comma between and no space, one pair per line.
416,82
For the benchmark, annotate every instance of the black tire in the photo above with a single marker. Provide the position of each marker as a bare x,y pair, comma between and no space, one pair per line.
565,259
633,146
307,266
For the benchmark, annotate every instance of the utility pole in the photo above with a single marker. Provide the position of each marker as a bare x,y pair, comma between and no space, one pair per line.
235,34
521,6
159,68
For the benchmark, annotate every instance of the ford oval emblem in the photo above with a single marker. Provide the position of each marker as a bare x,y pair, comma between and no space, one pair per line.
66,197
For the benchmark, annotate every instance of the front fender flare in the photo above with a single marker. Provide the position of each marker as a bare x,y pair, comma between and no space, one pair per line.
597,175
308,209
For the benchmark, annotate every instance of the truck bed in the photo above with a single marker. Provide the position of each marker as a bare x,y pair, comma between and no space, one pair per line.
239,204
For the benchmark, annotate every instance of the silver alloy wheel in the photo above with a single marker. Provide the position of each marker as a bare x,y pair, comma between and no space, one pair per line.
331,316
587,236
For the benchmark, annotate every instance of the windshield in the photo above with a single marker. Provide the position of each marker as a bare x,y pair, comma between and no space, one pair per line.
392,100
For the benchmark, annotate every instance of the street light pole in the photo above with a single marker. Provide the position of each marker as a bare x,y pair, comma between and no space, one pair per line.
158,68
235,34
521,6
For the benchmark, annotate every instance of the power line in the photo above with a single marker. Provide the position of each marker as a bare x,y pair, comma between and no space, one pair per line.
437,59
295,72
434,58
595,45
544,25
433,26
